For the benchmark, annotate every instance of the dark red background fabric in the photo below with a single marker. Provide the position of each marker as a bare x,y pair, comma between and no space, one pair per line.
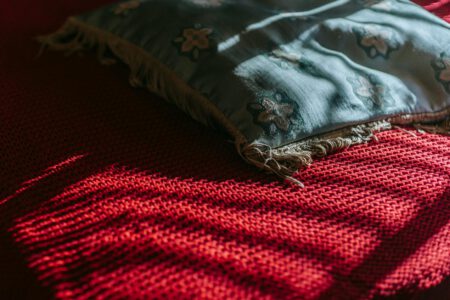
107,191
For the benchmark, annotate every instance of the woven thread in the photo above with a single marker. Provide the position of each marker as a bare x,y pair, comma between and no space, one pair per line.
95,207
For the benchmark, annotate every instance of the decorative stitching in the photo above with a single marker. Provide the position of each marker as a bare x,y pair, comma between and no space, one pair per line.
369,89
274,112
441,68
283,161
376,41
194,40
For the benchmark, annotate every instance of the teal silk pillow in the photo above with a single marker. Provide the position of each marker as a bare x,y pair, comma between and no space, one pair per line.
288,80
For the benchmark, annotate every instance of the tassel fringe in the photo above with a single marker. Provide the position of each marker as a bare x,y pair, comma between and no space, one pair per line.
75,36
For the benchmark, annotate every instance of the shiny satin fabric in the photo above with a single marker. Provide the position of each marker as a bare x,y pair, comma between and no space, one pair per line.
283,71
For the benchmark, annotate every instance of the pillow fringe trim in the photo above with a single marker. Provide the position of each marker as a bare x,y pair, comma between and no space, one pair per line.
285,161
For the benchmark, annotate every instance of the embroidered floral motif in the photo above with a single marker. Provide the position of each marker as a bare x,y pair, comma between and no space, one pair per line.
208,3
376,41
125,7
368,88
193,41
384,5
273,112
441,68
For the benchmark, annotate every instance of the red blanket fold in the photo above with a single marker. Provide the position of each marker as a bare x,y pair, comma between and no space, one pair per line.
97,200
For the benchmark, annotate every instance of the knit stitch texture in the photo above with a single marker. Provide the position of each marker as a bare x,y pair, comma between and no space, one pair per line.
98,201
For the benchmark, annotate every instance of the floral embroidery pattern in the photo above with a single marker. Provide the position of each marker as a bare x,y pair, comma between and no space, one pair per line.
441,68
376,41
124,8
384,5
368,88
273,112
193,41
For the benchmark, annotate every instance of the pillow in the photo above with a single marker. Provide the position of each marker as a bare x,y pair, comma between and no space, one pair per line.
288,80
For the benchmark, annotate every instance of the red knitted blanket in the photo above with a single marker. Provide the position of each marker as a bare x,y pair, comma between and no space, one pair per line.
97,201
